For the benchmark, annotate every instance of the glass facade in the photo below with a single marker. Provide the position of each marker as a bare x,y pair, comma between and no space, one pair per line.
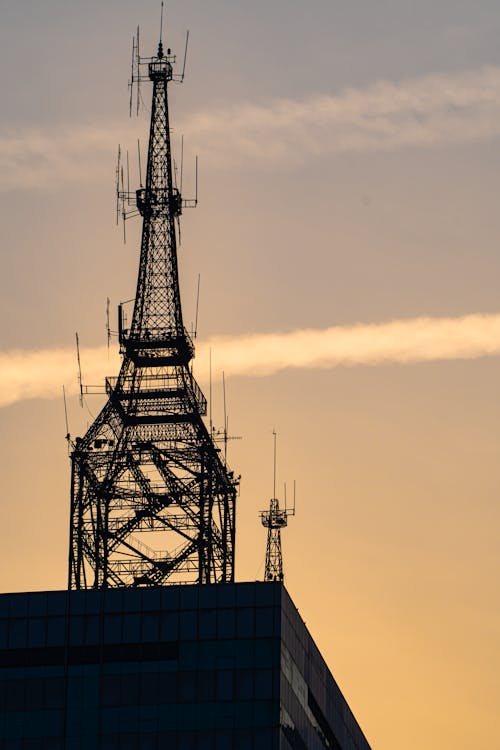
228,666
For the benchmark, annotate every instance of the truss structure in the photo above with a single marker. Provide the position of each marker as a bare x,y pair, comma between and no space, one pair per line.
274,520
152,500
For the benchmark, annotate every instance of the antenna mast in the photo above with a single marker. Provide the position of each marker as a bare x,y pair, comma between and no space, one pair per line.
274,520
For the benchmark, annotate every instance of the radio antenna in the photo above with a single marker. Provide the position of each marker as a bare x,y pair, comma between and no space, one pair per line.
139,159
196,182
274,469
185,56
138,60
182,160
68,436
79,369
161,22
118,164
108,328
197,308
128,175
210,389
274,520
131,83
225,415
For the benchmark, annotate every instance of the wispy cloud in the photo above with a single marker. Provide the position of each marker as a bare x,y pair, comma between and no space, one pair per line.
422,112
39,374
35,158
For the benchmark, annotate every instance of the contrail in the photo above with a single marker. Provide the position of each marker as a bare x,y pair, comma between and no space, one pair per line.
422,112
40,374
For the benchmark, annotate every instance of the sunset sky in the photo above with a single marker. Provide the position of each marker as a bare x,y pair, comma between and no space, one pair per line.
348,242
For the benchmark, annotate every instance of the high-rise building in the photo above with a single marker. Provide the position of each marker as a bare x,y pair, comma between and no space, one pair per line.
205,667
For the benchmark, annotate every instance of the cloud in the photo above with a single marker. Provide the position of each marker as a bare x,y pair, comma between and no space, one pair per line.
40,374
423,112
46,159
398,342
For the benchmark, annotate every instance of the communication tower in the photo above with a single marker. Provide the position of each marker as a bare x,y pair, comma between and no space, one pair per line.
274,520
152,499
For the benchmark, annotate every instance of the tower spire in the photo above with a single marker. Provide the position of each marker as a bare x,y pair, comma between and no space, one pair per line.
152,502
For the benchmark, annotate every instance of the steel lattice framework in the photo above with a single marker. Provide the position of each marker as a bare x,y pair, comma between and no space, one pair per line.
274,520
152,501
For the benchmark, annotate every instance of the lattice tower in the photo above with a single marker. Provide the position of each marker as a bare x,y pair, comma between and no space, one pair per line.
152,501
274,520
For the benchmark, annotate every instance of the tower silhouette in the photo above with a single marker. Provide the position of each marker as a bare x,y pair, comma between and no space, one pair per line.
274,520
152,501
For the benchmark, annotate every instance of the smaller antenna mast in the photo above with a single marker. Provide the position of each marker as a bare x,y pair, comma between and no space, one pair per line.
274,520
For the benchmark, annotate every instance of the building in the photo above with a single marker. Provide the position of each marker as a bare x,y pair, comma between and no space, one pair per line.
211,667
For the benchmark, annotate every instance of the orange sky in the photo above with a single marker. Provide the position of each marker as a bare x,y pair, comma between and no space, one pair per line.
349,174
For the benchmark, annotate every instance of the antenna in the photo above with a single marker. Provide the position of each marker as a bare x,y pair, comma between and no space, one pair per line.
197,307
137,63
139,159
118,160
185,57
79,369
210,391
189,202
225,415
274,464
196,182
68,436
124,213
108,329
182,160
131,82
274,519
128,175
161,22
135,77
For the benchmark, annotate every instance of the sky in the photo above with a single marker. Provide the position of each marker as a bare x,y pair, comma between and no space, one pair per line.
346,238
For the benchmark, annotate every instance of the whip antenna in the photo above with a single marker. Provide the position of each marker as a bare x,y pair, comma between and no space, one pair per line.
79,369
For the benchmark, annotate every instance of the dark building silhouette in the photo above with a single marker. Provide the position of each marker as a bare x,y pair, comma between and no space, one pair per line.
205,667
